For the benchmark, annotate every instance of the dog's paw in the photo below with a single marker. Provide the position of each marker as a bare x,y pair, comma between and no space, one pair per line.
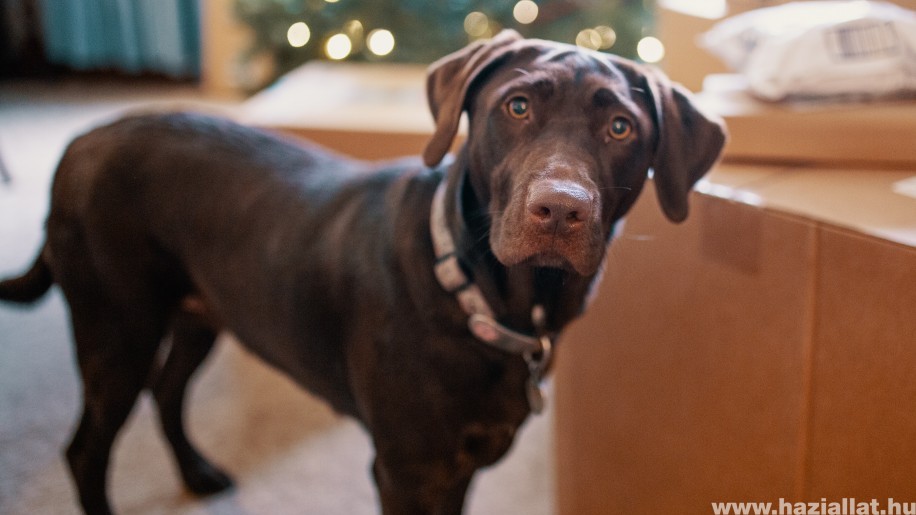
204,479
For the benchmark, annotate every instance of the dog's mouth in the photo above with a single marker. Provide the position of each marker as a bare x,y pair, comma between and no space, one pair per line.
549,260
582,257
521,244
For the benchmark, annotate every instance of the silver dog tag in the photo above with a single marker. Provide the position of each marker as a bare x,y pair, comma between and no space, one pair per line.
537,365
535,391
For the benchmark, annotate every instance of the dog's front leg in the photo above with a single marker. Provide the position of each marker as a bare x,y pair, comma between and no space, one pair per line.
452,500
419,489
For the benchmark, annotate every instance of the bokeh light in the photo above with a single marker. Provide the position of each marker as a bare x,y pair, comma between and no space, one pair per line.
525,12
608,36
650,49
298,34
589,38
380,42
338,47
476,24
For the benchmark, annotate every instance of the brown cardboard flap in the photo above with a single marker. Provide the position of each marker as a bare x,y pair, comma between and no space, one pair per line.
878,203
879,134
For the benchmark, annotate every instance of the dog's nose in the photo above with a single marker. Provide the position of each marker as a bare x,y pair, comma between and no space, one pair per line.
559,205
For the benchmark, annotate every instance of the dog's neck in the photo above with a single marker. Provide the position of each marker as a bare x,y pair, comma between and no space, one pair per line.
511,293
482,322
518,309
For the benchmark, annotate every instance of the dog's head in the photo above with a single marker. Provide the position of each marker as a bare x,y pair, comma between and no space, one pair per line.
560,142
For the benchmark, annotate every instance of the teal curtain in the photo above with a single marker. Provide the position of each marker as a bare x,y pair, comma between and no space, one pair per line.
133,36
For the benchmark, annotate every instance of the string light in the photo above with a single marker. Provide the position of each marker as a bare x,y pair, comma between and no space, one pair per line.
650,49
354,36
354,29
380,42
589,38
476,24
338,47
298,34
608,36
525,12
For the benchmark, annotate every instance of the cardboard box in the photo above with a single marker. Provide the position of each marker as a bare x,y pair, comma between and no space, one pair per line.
223,40
841,134
369,111
762,350
679,23
377,111
831,134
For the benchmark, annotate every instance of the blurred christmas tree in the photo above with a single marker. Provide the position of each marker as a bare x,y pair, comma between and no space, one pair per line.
288,33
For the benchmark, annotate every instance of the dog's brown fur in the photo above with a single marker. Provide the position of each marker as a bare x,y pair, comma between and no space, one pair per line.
177,226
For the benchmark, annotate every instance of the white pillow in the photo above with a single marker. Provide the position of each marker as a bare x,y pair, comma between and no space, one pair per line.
821,48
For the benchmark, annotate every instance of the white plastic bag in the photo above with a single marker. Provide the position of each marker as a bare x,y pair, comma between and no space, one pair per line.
820,49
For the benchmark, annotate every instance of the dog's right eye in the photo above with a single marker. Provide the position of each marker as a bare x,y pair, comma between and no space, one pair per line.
620,128
517,108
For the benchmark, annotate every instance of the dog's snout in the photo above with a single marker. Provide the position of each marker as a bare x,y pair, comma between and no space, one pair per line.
559,206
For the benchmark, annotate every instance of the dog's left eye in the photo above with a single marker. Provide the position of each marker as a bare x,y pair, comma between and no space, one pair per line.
518,108
620,128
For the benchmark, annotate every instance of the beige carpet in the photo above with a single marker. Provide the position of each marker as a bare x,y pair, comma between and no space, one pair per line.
288,452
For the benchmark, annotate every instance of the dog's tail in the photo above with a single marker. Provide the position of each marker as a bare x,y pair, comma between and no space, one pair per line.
29,287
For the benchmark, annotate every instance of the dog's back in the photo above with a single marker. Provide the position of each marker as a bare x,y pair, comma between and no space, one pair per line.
183,225
156,209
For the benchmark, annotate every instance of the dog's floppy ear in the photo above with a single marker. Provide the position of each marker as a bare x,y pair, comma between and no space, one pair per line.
447,85
689,143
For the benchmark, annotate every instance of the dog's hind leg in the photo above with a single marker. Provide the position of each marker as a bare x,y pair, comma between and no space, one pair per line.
115,352
191,341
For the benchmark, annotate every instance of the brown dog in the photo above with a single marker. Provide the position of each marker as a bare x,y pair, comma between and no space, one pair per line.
421,300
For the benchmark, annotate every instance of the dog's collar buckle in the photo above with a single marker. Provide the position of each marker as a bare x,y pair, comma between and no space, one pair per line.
537,368
490,331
